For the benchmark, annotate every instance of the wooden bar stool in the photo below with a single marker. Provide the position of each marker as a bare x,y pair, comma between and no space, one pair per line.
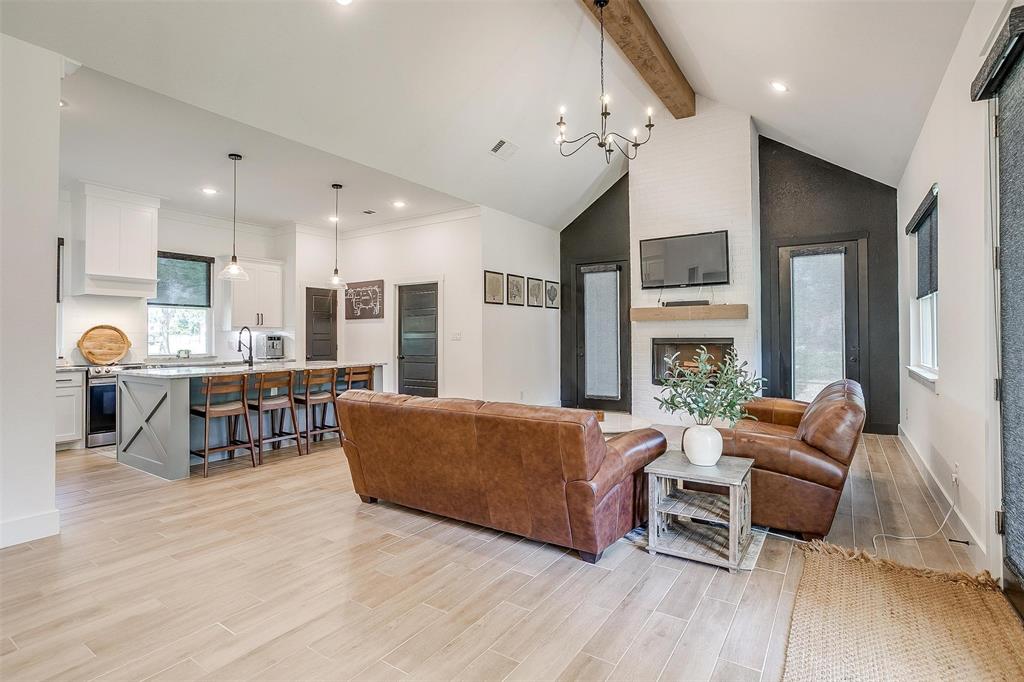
319,391
277,406
359,377
231,385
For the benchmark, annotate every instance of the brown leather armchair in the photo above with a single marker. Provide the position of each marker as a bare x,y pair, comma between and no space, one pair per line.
802,453
541,472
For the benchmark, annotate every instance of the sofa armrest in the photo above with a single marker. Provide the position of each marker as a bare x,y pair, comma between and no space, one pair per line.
604,508
638,448
782,411
784,455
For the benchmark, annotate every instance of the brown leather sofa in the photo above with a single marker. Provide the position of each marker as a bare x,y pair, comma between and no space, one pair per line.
802,453
541,472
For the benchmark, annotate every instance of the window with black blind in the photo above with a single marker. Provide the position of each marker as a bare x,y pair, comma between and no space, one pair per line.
924,230
181,314
183,280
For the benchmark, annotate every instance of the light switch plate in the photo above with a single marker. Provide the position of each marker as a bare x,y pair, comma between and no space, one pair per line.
456,336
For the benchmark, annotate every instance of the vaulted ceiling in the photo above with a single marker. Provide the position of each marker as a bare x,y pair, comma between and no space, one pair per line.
423,90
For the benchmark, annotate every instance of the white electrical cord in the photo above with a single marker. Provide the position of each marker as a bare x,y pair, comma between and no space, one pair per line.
874,539
952,506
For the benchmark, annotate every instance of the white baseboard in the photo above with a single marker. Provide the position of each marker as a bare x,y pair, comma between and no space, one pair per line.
28,528
977,548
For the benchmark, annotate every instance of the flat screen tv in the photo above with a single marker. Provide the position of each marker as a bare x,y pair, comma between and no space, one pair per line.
689,260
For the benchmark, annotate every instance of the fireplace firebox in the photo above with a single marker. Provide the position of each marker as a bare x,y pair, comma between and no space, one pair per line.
662,349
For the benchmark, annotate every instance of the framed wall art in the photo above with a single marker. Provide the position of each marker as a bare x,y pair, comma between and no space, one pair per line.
494,287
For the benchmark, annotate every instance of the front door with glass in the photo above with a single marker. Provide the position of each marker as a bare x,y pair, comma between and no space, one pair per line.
602,328
820,321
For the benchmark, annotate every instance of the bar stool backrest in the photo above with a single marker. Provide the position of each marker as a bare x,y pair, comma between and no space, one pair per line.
268,380
231,384
357,374
325,378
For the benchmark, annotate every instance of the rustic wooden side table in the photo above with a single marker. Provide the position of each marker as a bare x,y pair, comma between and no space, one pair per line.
692,524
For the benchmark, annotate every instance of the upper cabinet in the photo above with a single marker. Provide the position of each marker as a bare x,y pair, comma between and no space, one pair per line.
115,242
258,302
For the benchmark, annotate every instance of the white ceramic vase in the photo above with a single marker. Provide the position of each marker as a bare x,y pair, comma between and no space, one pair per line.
702,445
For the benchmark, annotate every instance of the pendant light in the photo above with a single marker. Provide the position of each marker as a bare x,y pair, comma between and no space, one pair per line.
336,282
234,272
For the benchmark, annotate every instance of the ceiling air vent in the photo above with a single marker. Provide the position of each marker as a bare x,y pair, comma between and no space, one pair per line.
369,211
504,149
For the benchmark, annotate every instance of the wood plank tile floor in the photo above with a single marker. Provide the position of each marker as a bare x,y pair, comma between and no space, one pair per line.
281,573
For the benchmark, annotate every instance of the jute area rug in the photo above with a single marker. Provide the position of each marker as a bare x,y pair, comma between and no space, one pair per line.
861,618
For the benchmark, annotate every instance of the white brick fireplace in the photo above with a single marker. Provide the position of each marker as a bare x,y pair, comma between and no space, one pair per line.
698,174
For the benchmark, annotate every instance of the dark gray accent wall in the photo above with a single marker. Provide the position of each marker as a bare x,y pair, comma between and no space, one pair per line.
599,234
806,200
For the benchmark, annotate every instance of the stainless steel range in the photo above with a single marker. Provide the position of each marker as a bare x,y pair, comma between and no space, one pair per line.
101,404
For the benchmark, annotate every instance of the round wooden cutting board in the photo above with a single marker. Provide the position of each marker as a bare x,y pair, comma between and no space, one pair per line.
104,344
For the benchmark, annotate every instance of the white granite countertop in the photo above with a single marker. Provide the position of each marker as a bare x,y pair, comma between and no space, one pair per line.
222,370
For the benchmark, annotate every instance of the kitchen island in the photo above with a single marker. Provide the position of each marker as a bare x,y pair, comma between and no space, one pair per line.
155,430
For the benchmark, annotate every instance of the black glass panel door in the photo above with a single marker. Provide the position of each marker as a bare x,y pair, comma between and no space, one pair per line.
417,340
819,327
602,329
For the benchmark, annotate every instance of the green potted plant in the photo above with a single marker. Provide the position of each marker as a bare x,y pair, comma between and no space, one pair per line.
707,391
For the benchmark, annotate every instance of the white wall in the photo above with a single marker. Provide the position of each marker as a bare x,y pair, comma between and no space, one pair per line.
179,232
29,149
700,175
447,249
520,343
956,421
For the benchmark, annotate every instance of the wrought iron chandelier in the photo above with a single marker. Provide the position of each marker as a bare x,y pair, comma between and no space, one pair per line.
605,139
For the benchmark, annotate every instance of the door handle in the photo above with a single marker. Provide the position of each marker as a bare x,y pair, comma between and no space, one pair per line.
401,357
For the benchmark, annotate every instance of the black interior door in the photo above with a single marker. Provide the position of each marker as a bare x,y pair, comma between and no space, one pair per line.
417,339
821,319
601,292
321,324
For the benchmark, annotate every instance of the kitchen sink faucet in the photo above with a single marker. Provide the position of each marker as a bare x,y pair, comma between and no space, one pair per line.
248,347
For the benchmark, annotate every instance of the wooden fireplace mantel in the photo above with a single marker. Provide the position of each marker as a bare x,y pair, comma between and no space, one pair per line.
727,311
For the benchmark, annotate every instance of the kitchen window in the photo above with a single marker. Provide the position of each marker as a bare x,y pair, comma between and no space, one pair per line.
181,315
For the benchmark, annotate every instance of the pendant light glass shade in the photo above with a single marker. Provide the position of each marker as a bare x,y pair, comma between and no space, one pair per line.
336,282
234,272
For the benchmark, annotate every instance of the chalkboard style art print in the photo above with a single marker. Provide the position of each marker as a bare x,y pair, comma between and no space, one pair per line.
364,300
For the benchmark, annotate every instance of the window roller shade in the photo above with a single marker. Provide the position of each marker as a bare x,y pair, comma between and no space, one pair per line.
924,225
928,255
183,280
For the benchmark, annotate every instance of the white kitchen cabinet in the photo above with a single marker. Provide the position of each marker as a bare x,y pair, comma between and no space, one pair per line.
69,419
114,249
258,302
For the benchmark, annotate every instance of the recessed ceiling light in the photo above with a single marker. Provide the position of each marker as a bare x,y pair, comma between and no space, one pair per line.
62,103
398,203
333,218
779,86
344,2
209,190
